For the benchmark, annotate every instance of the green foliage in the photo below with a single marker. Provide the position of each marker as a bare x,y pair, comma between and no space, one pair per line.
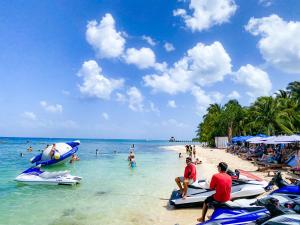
269,115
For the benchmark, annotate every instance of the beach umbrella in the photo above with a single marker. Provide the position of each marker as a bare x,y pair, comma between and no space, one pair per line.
270,140
261,135
235,139
255,140
288,139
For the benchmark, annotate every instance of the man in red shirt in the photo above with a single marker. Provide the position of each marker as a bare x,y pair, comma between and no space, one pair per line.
221,182
189,177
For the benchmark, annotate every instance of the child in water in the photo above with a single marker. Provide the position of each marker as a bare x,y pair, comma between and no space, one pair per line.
131,159
74,158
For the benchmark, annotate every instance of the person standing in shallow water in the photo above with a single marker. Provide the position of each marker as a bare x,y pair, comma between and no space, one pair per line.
194,151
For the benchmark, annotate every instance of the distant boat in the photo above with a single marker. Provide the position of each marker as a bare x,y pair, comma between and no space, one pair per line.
172,139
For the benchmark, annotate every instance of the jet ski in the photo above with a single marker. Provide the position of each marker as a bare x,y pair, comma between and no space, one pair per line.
63,151
289,191
245,210
264,211
35,175
244,185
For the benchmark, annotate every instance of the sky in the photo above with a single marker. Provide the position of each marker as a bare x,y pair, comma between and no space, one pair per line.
138,69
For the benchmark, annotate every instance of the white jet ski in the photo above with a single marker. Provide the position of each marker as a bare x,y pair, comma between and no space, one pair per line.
244,185
35,175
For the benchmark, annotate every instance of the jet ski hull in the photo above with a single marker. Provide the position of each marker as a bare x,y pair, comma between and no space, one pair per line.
197,195
34,180
34,176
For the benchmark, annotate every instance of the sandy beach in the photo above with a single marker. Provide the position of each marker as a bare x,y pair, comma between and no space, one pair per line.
210,158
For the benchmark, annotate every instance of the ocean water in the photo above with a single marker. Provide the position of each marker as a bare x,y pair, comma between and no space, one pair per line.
110,192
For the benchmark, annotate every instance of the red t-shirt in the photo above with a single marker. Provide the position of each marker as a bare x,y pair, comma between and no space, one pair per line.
221,182
190,172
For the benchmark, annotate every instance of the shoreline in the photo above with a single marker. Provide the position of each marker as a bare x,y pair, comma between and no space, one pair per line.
212,156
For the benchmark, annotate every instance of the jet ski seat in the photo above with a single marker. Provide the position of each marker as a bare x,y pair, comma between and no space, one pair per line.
48,175
234,206
199,184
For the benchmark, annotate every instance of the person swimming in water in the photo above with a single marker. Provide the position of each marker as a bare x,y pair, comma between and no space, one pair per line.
74,158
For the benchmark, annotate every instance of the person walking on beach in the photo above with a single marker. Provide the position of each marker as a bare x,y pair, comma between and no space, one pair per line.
194,151
190,174
221,182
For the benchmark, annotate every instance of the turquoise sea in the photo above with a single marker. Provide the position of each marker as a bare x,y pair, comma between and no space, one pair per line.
110,192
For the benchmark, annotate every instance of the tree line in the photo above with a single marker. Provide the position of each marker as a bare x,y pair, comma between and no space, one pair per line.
271,115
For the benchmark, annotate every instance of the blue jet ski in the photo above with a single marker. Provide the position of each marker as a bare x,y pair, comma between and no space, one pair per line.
263,211
289,191
63,151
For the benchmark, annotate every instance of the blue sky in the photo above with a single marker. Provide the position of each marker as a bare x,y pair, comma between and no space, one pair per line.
138,69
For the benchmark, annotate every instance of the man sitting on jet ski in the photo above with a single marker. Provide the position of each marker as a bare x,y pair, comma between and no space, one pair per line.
190,176
221,182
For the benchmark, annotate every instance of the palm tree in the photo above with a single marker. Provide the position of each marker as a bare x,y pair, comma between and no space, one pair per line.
231,116
264,112
294,88
283,94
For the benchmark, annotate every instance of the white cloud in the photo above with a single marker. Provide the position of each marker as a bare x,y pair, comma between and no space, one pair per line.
179,12
135,99
172,104
105,116
103,37
255,79
120,97
234,95
207,13
279,43
202,65
95,84
29,115
266,3
204,100
216,96
153,108
169,47
173,123
57,108
161,66
143,58
149,40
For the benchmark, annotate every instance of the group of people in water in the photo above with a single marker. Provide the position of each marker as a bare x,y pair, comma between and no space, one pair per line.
221,182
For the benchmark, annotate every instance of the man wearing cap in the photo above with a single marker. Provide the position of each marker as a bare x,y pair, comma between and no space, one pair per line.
221,182
189,177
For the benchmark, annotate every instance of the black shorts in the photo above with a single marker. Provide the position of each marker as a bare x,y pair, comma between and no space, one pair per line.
209,199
